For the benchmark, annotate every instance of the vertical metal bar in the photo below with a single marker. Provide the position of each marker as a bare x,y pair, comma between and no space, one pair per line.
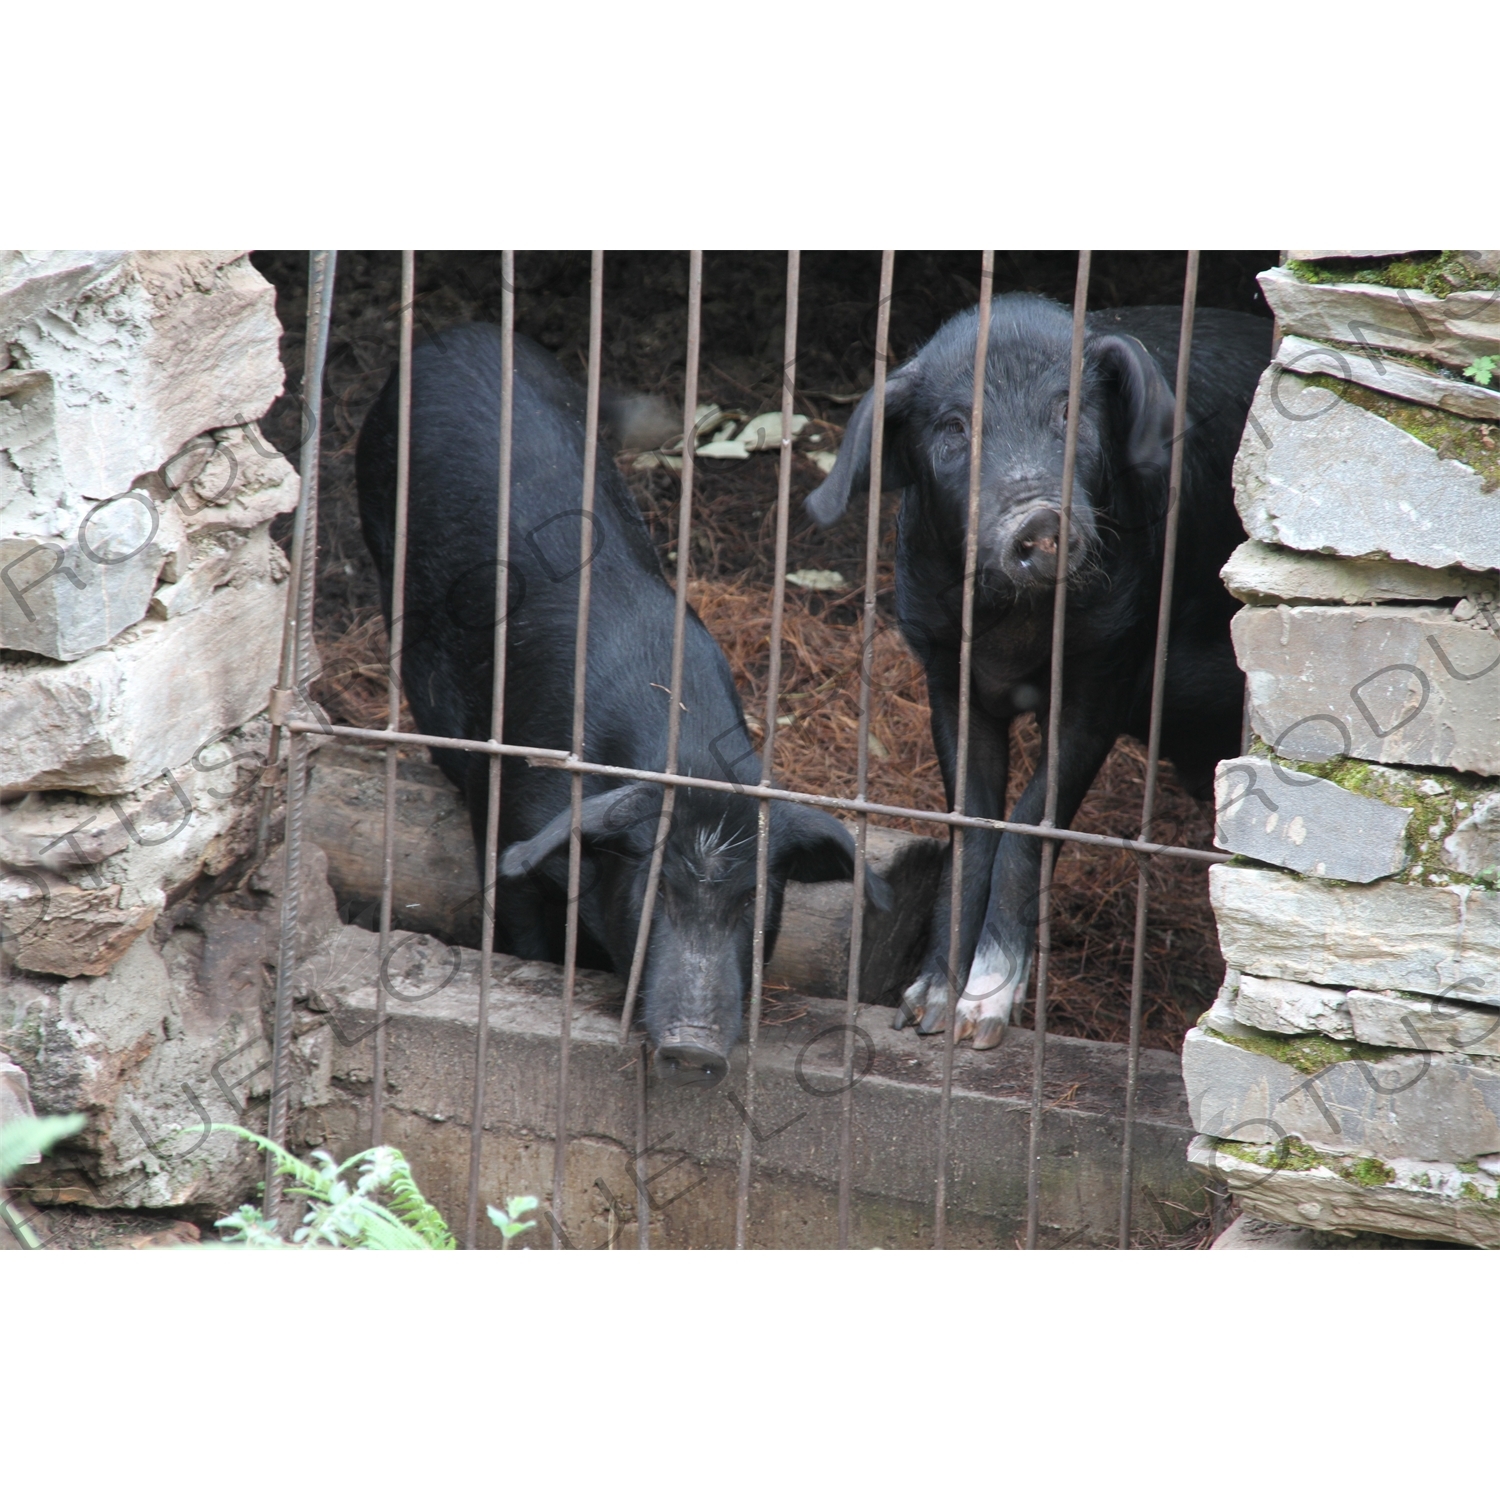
296,666
1054,742
580,690
497,734
1153,741
393,707
674,731
961,769
679,625
866,660
642,1191
768,747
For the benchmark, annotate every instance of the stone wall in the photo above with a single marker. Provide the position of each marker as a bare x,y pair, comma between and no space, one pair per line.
1348,1075
141,607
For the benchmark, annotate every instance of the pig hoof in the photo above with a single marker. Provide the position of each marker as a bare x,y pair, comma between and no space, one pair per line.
989,1033
913,1005
965,1025
934,1018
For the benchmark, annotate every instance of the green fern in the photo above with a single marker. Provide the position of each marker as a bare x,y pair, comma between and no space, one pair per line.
350,1218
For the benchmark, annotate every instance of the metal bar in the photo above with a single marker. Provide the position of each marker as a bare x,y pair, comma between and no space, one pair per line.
297,658
580,690
319,267
674,732
1054,746
642,1140
497,732
1153,741
393,707
679,625
961,770
560,760
867,657
768,745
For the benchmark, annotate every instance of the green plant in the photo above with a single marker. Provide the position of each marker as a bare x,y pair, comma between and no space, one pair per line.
509,1222
344,1216
1482,371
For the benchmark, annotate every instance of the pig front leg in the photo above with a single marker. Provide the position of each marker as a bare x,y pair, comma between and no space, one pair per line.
1001,969
925,1003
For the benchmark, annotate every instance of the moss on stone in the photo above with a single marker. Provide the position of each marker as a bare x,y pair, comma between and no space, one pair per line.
1439,275
1307,1053
1405,786
1465,439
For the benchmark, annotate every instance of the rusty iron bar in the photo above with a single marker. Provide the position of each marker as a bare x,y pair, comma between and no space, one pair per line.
679,626
642,1141
1054,747
320,269
393,706
961,769
296,669
560,760
497,731
580,691
866,661
768,746
1153,741
674,729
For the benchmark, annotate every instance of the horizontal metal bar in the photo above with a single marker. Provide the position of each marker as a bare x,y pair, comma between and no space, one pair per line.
560,760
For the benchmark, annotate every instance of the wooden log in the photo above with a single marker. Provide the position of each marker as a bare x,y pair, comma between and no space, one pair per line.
436,886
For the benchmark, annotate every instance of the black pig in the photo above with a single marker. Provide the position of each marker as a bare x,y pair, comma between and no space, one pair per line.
1114,577
699,959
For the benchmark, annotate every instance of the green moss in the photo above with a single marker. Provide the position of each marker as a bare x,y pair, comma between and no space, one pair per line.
1439,274
1466,439
1434,814
1367,1171
1308,1053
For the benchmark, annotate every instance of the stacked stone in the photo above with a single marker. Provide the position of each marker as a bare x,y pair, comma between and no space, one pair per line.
141,608
1348,1075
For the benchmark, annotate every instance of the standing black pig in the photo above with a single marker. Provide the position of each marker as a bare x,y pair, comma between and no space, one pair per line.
1114,576
699,959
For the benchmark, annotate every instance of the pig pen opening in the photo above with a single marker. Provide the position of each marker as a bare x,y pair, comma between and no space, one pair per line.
733,536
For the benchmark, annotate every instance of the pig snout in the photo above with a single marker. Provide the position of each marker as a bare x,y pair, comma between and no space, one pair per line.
691,1055
1024,547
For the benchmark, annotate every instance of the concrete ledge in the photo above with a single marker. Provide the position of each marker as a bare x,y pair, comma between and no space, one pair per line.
691,1161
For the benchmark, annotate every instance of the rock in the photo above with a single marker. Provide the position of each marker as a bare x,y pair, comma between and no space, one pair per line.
119,362
1431,1106
1319,474
1305,823
1260,574
218,559
55,928
1249,1233
1473,848
1409,685
1429,940
1385,1018
168,1041
1292,1009
1344,254
164,690
62,602
145,847
15,1095
1417,1200
1409,382
231,478
1451,330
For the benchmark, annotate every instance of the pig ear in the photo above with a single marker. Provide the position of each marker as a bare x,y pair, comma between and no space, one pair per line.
610,815
851,469
810,846
1143,400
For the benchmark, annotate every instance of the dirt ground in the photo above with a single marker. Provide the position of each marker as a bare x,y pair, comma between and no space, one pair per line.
733,536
